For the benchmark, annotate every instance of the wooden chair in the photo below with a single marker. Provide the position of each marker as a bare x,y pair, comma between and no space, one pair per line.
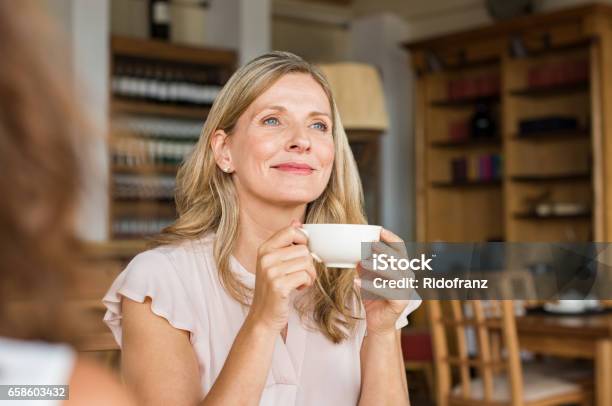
501,380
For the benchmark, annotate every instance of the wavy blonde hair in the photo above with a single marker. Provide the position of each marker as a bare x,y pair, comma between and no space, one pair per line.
206,199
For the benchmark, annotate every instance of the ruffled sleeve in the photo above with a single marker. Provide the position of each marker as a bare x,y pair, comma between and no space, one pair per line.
402,320
150,274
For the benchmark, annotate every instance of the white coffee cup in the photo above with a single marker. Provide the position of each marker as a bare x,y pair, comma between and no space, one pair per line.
339,245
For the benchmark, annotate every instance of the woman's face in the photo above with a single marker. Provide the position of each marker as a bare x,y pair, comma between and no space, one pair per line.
282,149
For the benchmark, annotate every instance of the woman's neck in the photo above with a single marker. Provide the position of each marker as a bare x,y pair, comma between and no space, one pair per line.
258,222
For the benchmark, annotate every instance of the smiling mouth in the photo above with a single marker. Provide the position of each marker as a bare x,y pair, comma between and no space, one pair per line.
294,168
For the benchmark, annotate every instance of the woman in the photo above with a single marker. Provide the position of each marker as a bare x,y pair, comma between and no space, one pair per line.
230,309
40,186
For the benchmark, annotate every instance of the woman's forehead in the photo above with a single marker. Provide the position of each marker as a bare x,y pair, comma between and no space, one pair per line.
294,90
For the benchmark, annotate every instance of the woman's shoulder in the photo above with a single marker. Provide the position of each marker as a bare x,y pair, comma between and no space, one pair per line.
181,257
172,275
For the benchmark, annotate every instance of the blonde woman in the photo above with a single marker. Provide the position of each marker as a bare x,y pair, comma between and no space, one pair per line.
230,308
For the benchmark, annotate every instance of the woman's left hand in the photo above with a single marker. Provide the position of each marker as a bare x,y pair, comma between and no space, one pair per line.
381,313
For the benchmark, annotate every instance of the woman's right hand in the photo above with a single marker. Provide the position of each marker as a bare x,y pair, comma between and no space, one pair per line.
284,264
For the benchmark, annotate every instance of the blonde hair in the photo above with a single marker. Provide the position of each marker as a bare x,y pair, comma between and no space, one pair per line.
206,199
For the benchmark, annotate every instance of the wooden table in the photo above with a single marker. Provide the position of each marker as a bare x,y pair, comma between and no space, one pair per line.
581,336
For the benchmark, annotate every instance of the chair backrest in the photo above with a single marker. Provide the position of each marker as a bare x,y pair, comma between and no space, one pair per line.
497,350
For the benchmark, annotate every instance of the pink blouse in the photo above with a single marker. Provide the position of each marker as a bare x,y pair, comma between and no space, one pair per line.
185,289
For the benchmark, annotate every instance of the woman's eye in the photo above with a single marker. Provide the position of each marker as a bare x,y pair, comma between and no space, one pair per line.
271,121
320,126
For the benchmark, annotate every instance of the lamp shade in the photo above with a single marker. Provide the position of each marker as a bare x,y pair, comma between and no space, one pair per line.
358,91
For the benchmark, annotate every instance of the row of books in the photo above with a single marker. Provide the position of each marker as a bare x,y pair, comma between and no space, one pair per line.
487,167
139,227
558,73
139,151
161,83
485,85
136,187
156,127
542,75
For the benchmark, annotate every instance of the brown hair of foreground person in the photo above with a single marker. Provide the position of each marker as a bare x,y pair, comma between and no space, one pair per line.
39,170
39,182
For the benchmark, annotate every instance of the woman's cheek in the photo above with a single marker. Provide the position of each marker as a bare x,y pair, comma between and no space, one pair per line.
326,154
260,152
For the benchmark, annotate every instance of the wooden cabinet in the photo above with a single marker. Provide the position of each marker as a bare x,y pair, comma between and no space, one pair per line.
541,175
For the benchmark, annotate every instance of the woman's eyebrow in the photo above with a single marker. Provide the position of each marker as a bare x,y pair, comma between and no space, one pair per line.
279,108
319,113
284,109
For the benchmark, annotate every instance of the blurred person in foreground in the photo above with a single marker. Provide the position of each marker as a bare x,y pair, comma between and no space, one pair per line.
39,126
230,308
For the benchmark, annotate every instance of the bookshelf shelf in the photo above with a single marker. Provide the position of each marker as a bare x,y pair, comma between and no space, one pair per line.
549,91
471,142
122,106
465,102
535,216
553,135
146,169
567,177
467,184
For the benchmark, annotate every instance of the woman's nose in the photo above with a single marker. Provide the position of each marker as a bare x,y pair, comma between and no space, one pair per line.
300,141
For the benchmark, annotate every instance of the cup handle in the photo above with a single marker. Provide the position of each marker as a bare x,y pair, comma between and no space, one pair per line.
314,256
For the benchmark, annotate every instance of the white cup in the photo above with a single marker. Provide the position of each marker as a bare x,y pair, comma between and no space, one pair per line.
339,245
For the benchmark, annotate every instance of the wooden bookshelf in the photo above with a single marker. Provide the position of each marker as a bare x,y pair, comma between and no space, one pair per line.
144,150
548,91
119,106
463,102
554,66
165,51
467,183
552,135
146,169
470,142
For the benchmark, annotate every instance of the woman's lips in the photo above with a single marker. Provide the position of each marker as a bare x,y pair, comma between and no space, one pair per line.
295,168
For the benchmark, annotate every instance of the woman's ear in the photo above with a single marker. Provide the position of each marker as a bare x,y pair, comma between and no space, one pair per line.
220,146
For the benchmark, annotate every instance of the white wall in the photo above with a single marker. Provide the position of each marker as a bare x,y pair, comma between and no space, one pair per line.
255,25
325,43
315,31
376,41
431,17
85,24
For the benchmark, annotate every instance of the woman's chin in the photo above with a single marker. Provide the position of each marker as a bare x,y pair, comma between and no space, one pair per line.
294,198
